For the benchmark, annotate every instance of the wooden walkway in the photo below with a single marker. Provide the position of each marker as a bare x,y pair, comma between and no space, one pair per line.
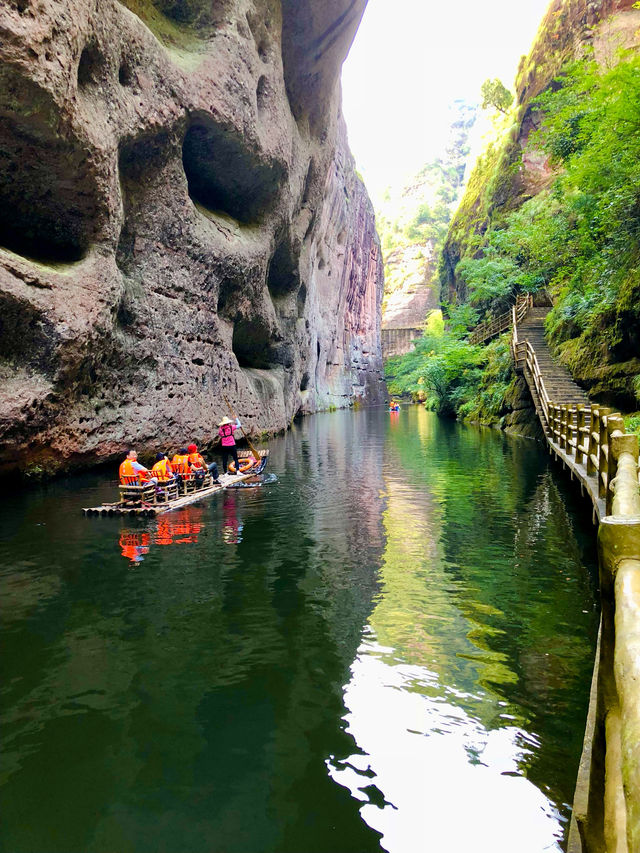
577,433
590,442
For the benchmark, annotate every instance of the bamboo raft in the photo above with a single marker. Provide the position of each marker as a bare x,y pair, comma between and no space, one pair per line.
150,501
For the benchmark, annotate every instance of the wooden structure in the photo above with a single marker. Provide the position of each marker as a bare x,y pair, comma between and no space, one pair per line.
492,328
590,442
151,499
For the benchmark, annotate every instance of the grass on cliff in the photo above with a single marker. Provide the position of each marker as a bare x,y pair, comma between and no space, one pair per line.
579,239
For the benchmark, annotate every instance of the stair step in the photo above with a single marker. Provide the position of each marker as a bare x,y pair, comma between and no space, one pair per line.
558,382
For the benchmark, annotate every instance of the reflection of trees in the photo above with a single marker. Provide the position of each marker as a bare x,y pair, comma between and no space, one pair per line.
484,585
202,688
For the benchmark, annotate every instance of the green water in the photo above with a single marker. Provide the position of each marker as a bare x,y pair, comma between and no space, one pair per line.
389,648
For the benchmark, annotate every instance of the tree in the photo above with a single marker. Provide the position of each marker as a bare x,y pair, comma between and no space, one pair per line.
495,94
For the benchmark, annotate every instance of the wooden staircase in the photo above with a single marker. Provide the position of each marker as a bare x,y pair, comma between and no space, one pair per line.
556,379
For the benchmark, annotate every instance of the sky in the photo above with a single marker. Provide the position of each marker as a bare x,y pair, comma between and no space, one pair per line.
410,60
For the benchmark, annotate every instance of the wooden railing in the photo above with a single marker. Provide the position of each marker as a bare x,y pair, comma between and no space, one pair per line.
591,442
492,328
524,357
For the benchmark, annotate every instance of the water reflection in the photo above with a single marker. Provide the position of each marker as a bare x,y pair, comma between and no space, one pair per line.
466,687
231,524
396,623
179,527
432,776
134,545
189,705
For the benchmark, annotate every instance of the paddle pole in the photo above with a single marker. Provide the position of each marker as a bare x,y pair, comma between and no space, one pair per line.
233,415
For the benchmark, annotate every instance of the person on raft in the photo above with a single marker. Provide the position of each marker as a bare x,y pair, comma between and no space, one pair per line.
180,463
163,470
226,429
199,467
132,473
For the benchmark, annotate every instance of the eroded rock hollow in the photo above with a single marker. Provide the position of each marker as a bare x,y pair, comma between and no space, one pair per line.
180,221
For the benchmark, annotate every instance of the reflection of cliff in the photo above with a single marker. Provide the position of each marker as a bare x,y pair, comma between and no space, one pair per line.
179,218
206,685
419,615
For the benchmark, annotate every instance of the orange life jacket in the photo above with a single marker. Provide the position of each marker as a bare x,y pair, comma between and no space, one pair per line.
162,470
196,461
129,476
180,464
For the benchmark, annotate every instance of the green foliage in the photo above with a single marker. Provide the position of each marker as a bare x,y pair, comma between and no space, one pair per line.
453,377
495,94
632,423
462,318
490,280
443,370
488,403
580,239
35,472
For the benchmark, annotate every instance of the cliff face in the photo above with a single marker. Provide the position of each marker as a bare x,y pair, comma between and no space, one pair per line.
179,220
512,172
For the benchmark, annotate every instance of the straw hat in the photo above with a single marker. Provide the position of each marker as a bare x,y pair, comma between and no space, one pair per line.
225,421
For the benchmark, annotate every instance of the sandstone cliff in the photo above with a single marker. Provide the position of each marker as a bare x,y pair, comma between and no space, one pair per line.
179,219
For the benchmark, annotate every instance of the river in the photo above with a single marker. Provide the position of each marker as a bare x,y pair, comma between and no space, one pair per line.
389,648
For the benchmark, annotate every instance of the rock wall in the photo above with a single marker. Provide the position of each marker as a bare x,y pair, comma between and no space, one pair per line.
399,341
179,220
406,308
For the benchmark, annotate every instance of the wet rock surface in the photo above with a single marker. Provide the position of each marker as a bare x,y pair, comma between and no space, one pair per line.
180,220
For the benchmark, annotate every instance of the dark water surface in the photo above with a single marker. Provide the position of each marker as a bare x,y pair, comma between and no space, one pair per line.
389,648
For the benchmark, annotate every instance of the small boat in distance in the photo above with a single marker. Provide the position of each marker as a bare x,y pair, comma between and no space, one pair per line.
394,407
151,499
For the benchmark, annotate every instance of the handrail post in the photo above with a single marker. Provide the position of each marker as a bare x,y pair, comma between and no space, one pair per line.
615,423
591,469
579,437
573,432
602,452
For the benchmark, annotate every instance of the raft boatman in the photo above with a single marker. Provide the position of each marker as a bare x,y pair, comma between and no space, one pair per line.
226,429
199,467
132,473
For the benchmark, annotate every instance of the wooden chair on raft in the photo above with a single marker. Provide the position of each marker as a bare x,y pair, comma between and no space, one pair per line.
190,483
134,493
